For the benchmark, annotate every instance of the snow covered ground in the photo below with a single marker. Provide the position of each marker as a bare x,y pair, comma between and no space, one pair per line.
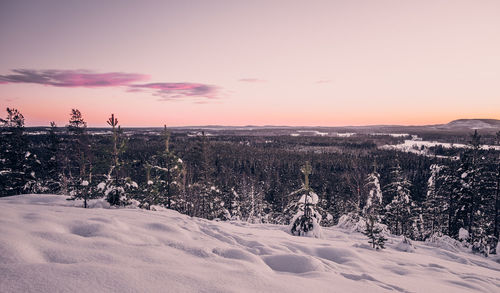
49,245
420,147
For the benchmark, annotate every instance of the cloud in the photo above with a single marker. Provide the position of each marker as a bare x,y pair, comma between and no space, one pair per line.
251,80
72,78
324,81
87,78
177,90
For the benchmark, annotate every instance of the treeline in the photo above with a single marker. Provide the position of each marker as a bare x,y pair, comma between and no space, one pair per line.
253,178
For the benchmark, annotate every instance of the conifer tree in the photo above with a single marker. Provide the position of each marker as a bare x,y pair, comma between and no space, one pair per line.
435,216
398,216
14,155
496,203
476,188
53,178
80,175
374,233
166,173
235,205
117,188
252,200
307,219
374,199
207,198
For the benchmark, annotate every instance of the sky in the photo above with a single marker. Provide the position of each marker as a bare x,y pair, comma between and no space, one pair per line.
297,63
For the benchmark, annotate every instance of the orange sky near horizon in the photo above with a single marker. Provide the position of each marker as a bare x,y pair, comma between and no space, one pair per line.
317,63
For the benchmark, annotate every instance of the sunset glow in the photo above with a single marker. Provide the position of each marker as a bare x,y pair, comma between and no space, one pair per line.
317,63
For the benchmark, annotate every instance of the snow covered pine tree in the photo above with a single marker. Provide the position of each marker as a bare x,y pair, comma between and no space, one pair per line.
374,233
16,161
372,209
166,172
117,188
306,220
79,154
398,216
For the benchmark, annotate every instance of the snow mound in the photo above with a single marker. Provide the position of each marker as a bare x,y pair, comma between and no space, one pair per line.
405,245
445,242
352,222
292,263
463,234
49,244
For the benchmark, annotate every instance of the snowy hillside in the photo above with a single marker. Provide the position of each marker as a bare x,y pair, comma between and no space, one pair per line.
48,245
473,123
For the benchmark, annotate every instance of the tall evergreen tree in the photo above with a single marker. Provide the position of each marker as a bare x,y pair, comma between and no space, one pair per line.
435,216
80,175
496,214
117,188
470,199
207,198
14,154
166,177
52,179
398,216
374,198
252,204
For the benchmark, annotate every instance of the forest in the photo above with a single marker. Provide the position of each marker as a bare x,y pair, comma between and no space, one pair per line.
254,177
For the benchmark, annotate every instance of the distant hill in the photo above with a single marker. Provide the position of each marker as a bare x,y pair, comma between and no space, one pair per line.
472,124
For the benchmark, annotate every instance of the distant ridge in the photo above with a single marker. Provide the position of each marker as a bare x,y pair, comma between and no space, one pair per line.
455,125
472,124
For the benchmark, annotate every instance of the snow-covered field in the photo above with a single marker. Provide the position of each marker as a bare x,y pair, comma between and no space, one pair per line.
420,147
49,245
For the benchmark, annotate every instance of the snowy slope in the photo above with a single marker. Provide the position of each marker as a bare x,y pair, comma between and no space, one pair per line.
473,123
48,245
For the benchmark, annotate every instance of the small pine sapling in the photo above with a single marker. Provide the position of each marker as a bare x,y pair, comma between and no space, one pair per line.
374,233
306,221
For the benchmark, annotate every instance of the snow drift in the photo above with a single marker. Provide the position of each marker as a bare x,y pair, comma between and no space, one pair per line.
49,245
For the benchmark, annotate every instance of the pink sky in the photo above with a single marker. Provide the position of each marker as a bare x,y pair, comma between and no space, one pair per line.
251,62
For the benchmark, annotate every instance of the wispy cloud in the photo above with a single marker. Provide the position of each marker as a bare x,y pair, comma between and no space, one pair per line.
90,79
72,78
178,90
251,80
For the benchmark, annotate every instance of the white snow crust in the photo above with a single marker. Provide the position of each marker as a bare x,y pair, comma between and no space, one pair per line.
420,147
49,244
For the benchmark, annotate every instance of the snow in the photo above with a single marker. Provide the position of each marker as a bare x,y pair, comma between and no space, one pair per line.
469,123
312,198
352,223
420,147
391,134
446,242
345,134
49,244
101,186
405,245
314,132
463,234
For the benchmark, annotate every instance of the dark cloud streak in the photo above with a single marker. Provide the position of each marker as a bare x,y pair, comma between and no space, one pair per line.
177,90
251,80
72,78
89,79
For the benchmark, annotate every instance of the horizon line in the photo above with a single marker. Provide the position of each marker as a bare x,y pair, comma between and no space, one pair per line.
281,126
